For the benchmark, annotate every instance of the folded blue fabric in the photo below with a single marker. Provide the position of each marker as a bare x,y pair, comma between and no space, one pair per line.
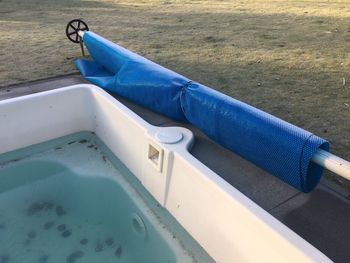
278,147
133,77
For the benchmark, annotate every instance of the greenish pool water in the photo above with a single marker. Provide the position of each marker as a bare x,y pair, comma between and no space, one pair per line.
71,200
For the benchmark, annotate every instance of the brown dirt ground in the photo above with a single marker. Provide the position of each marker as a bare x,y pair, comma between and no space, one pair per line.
289,58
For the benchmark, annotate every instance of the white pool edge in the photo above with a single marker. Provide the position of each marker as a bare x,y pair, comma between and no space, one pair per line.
227,224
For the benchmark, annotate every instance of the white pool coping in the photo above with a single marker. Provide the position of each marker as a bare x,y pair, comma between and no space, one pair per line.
227,224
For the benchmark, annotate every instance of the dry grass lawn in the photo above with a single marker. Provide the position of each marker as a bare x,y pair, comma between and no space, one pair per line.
289,58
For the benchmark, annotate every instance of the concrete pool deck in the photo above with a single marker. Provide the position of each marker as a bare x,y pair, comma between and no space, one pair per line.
320,217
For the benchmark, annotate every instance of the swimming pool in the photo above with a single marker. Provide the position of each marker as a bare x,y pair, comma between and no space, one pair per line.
71,200
228,225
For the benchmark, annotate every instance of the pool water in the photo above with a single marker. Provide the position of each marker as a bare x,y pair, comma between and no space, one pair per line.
71,200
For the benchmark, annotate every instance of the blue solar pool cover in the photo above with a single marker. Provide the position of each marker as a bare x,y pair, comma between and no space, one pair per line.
276,146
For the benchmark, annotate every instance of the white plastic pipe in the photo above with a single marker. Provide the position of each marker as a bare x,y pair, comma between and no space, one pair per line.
81,33
332,163
327,160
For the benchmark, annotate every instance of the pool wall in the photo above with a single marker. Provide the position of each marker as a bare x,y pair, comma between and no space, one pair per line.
228,225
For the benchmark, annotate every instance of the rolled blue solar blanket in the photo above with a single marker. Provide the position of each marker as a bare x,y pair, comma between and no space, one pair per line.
276,146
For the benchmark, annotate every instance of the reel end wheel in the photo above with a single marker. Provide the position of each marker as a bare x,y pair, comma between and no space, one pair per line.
72,32
72,29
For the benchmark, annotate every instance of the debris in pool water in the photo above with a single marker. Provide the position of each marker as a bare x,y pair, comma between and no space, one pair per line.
37,207
4,259
61,227
58,148
27,242
83,141
60,211
91,145
43,259
48,205
104,158
84,241
72,142
48,225
118,252
98,247
109,241
95,148
31,234
74,256
66,233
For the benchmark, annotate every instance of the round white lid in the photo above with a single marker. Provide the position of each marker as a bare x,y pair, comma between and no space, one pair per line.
168,136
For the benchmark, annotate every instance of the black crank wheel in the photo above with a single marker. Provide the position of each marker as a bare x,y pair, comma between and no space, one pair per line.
73,27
